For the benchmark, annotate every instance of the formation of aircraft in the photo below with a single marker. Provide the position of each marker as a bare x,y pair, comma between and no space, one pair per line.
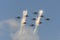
47,19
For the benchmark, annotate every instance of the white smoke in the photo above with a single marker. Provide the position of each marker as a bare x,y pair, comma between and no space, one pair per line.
23,20
38,20
23,33
11,22
27,33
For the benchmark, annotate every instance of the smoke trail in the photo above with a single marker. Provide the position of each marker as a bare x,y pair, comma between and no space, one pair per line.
27,34
23,20
38,20
24,33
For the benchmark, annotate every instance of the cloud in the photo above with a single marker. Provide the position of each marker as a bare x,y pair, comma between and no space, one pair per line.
26,34
11,22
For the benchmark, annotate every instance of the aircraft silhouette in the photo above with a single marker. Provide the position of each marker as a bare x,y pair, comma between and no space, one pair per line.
35,12
40,22
18,17
41,16
26,16
24,23
32,25
34,19
47,19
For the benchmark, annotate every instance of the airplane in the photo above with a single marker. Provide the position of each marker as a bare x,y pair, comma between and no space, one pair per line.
35,12
41,16
34,19
32,25
18,17
26,16
47,19
24,23
40,22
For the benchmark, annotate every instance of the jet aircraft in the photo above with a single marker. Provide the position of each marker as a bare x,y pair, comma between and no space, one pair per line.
32,25
24,23
18,17
40,22
35,12
41,16
26,16
47,19
34,19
